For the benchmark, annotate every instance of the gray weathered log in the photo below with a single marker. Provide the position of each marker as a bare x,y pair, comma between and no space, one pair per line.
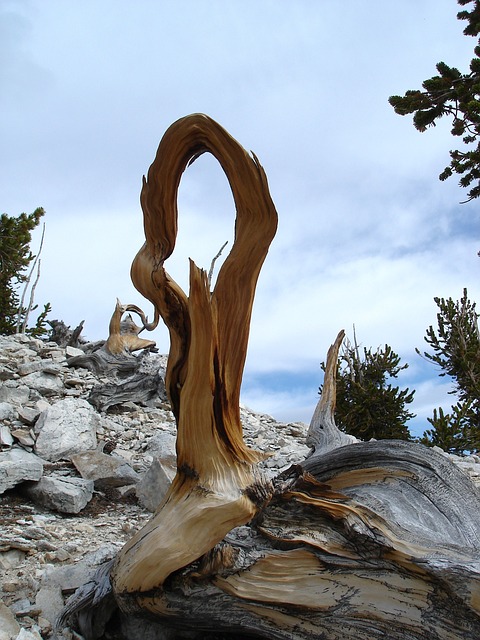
139,388
103,363
125,378
64,336
372,540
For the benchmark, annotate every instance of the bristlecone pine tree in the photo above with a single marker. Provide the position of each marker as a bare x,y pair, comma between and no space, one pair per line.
361,541
15,256
455,94
456,351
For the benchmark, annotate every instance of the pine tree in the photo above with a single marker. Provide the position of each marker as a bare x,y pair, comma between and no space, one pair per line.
455,94
456,351
452,432
368,405
15,256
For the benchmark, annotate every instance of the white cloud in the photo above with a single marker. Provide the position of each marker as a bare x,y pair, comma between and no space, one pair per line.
367,234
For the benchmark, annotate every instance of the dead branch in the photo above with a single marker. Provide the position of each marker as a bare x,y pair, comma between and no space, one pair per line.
21,326
212,265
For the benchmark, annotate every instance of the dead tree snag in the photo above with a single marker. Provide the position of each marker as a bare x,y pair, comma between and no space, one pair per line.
216,477
360,541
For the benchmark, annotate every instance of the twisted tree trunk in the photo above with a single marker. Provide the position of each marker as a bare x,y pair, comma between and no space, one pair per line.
359,541
217,486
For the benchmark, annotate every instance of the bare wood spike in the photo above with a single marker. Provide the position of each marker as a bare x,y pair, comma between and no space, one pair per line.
323,434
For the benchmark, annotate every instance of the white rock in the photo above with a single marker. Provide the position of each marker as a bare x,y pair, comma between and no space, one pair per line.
18,465
14,393
12,558
67,427
41,405
9,627
71,352
63,494
104,470
7,411
26,368
6,439
155,483
7,373
28,634
50,601
28,415
162,446
48,384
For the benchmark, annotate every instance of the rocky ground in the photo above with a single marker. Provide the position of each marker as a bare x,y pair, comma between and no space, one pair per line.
75,482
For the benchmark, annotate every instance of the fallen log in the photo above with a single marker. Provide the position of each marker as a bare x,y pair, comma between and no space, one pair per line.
358,541
138,388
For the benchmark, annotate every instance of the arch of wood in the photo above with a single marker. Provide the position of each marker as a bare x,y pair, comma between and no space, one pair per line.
216,478
358,541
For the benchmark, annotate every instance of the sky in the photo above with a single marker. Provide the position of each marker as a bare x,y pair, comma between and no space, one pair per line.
367,236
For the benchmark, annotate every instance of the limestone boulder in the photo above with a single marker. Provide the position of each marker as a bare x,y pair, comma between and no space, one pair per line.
9,627
63,494
14,393
162,445
44,382
28,415
65,428
49,600
18,465
6,438
105,470
155,483
7,411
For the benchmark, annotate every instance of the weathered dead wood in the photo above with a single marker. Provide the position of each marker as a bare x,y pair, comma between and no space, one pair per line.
64,336
323,434
113,360
217,486
138,387
361,541
123,336
103,363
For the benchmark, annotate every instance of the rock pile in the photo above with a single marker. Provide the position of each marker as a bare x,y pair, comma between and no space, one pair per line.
76,482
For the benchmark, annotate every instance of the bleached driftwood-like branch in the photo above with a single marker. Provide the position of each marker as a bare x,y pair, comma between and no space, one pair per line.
323,434
22,325
214,260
